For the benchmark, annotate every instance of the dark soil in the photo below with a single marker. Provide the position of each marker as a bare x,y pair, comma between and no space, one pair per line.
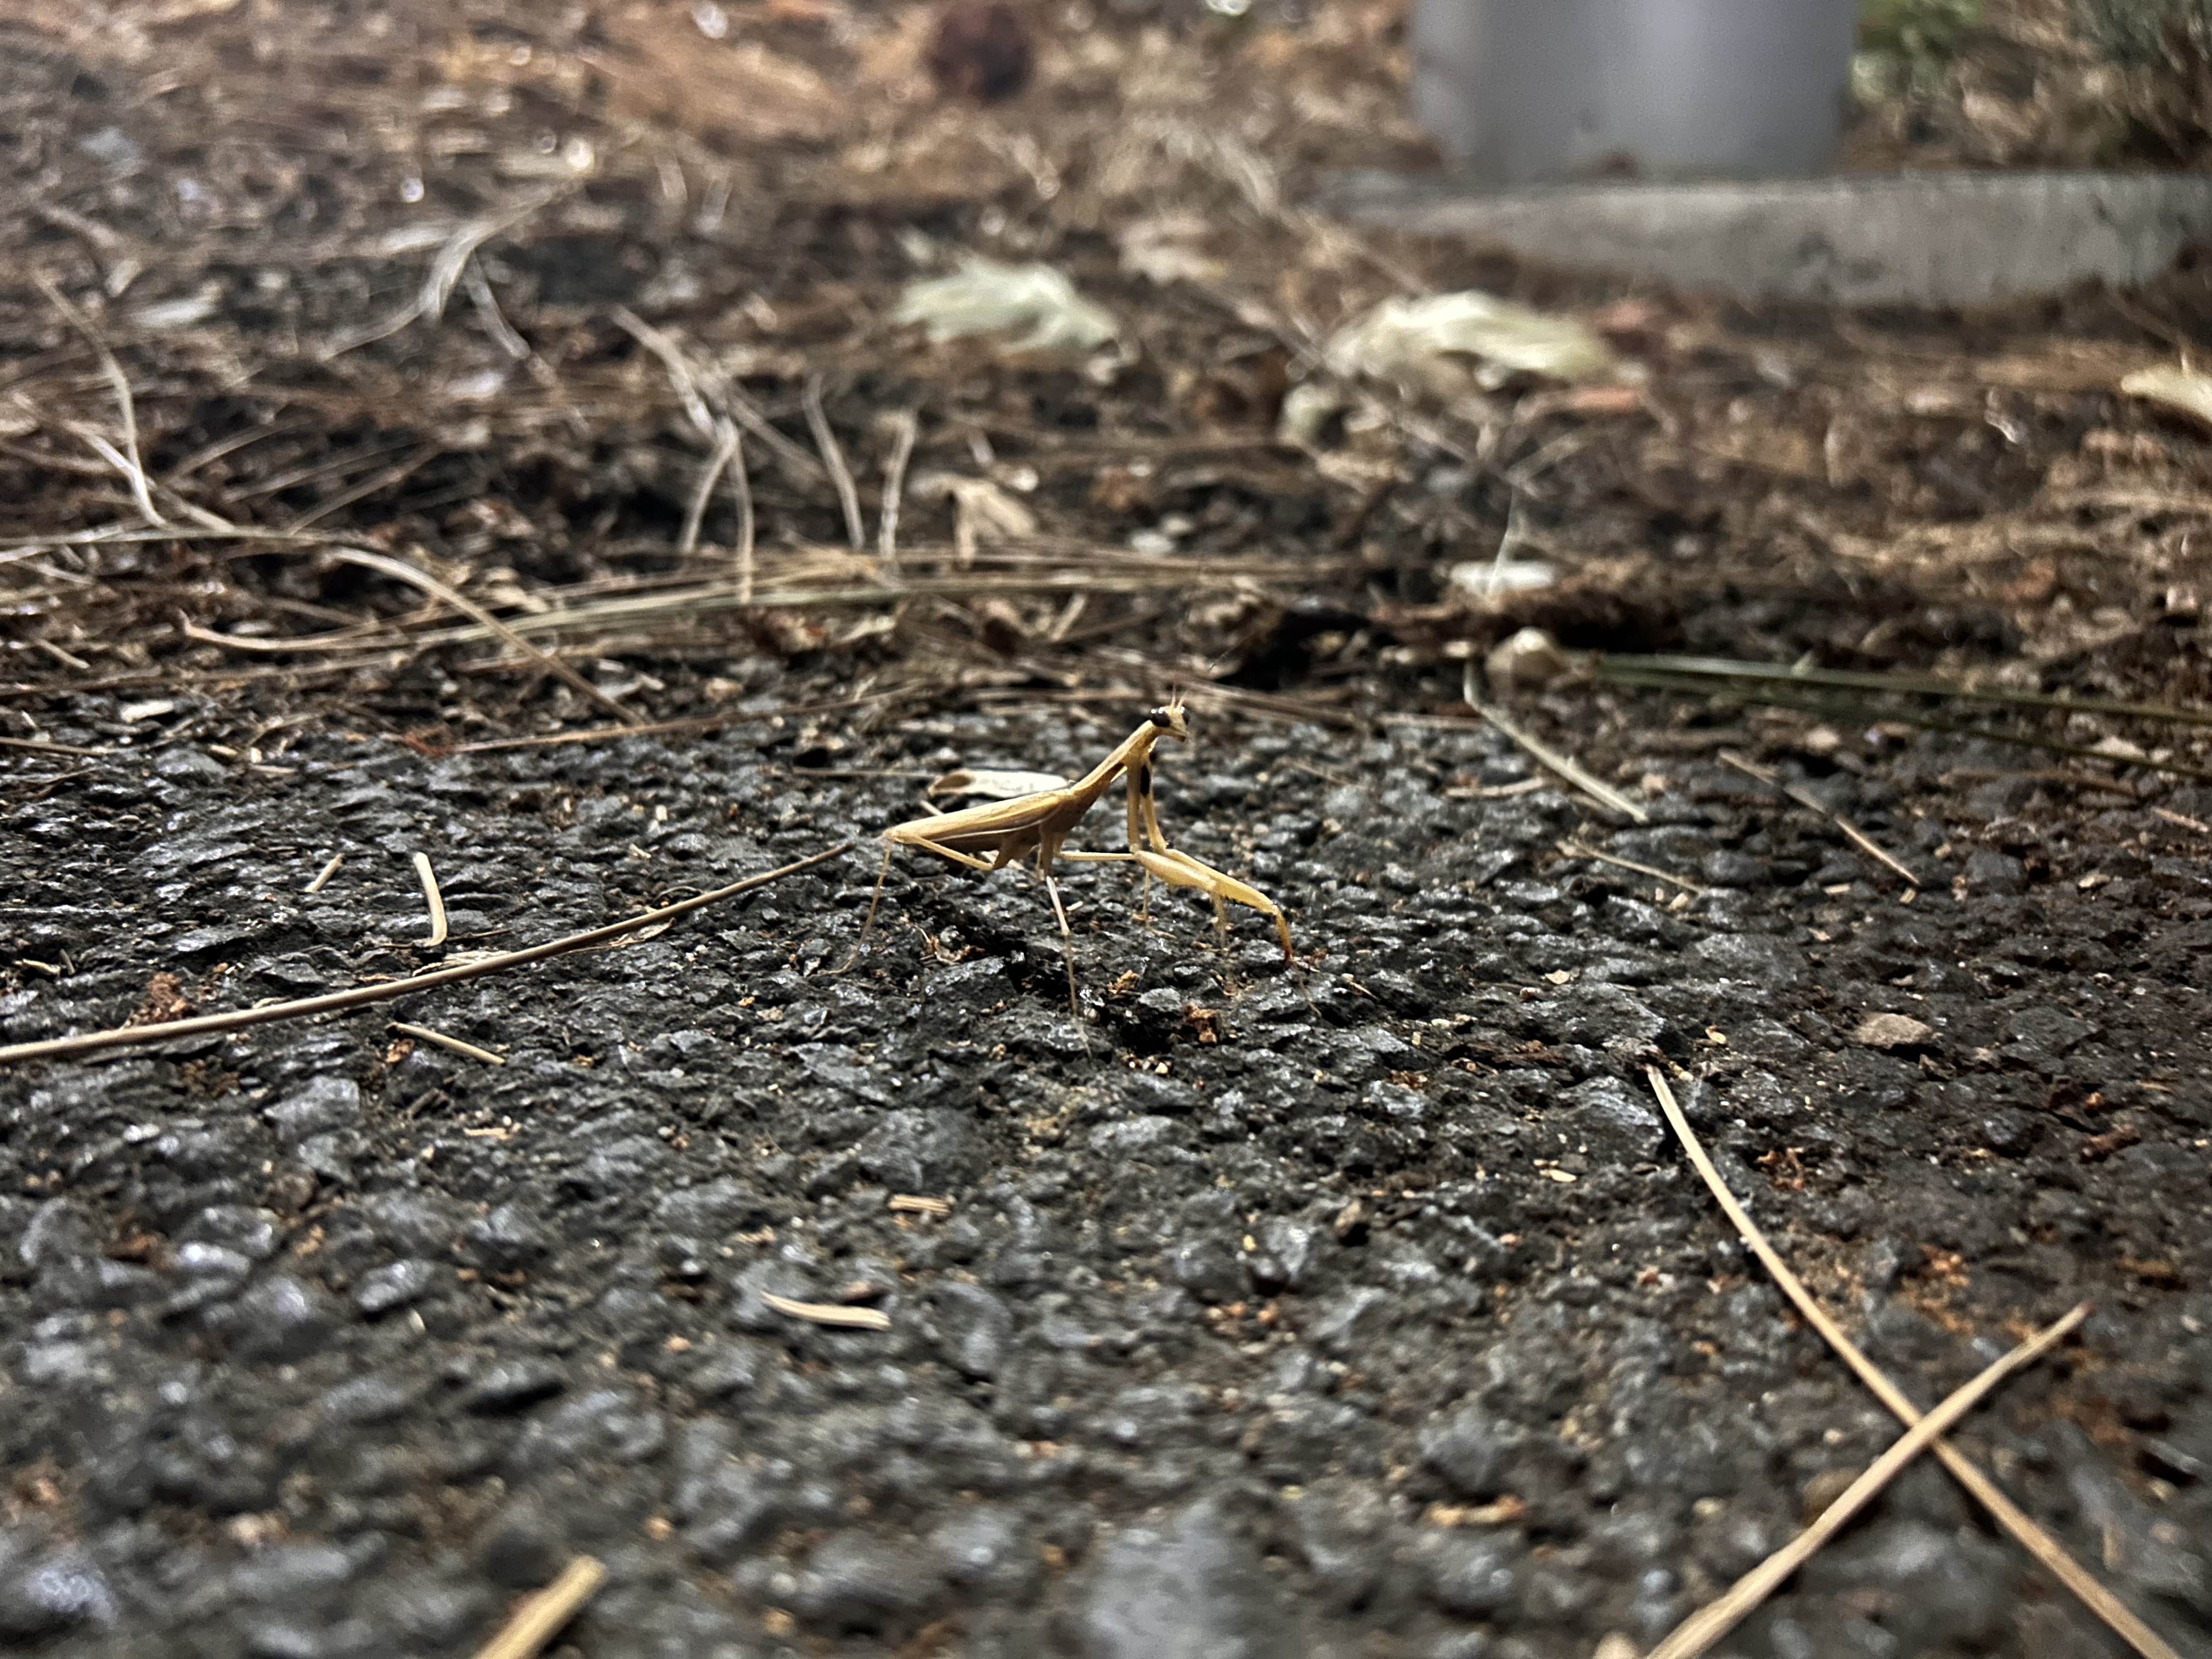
1360,1306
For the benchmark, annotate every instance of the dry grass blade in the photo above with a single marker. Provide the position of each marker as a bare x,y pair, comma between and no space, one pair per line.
690,603
322,876
741,486
406,466
907,430
1575,849
434,898
454,254
681,375
488,313
1603,793
692,392
1812,803
833,457
427,1035
484,618
539,1616
1694,673
830,1313
1697,1633
2047,1551
134,467
725,445
359,996
38,746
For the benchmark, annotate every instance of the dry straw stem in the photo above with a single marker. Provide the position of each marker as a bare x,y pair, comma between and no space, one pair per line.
132,467
725,445
1715,1618
539,1617
1575,849
40,746
692,390
2041,1545
1918,685
1697,676
453,256
1811,802
334,1001
1603,793
907,427
434,898
425,1034
484,618
741,489
833,457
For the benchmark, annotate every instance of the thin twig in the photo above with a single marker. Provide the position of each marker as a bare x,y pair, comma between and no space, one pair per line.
323,876
1513,536
741,486
1691,673
1603,793
134,468
1575,849
833,457
1812,803
2046,1549
40,746
726,445
434,898
405,467
484,618
128,468
692,388
682,377
453,256
907,428
539,1617
488,313
1695,1634
335,1001
452,1042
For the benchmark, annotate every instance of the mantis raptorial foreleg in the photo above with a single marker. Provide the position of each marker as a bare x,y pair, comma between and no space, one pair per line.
1180,869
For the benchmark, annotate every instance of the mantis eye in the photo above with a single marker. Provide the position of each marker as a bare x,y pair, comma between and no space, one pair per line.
1163,719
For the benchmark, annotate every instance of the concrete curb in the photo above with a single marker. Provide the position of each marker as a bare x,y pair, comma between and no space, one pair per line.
1931,240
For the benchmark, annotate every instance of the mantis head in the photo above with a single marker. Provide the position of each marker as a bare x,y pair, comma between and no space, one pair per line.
1169,719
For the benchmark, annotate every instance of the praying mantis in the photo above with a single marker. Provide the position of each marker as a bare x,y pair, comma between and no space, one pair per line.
1041,822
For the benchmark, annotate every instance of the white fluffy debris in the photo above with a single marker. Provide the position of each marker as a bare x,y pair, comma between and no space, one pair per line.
1430,344
1035,304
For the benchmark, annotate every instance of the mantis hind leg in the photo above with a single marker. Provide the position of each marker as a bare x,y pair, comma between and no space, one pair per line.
1067,945
868,924
1140,800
